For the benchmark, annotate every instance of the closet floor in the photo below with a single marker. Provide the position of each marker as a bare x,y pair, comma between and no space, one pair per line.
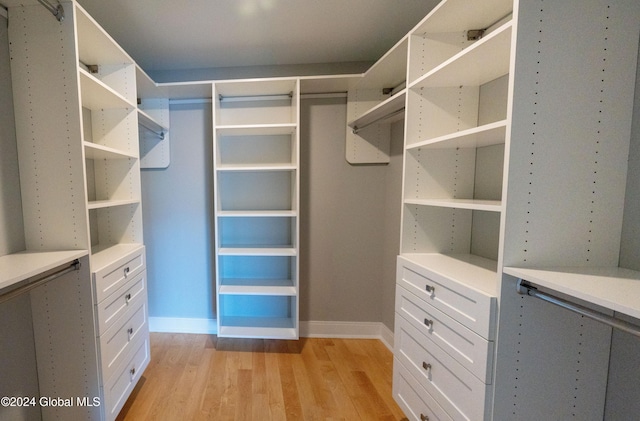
193,377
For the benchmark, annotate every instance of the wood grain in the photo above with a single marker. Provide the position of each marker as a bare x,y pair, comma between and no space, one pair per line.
202,377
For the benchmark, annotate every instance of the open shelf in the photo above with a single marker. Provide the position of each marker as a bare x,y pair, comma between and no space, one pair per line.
481,205
96,151
256,129
479,63
475,137
462,15
101,204
257,213
257,251
103,255
97,95
257,287
95,46
614,288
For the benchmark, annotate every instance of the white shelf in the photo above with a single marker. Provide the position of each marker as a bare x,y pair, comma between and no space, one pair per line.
388,107
472,204
281,287
258,327
467,269
462,15
257,167
96,95
100,204
257,251
103,255
257,213
389,71
614,288
95,46
477,137
480,63
17,267
96,151
256,129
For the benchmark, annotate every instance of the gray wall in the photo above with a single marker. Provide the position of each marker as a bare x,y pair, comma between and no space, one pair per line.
349,222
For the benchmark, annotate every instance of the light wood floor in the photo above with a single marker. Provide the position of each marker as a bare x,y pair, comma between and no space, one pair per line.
202,377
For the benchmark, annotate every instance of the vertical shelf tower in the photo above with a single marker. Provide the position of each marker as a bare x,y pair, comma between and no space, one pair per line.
257,179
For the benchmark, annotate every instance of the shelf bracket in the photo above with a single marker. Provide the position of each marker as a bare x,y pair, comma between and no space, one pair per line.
57,11
475,34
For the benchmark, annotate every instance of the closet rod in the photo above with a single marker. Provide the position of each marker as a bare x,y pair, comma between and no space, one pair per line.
356,129
58,11
273,97
525,288
160,134
75,265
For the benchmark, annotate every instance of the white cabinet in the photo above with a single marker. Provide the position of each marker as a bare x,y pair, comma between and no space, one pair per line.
444,336
257,178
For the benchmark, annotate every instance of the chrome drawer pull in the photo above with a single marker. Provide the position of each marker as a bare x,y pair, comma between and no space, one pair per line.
430,289
426,366
127,298
132,372
130,332
423,417
428,323
126,271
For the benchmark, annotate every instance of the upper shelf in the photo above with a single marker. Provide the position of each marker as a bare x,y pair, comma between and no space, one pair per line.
614,288
479,63
95,46
389,71
256,129
476,137
462,15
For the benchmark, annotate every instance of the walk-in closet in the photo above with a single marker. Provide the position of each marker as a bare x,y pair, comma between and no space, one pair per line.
464,206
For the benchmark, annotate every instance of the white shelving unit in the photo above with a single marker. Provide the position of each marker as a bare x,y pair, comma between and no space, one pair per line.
77,130
153,118
256,161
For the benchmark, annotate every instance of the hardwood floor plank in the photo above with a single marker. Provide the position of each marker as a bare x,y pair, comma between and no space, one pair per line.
202,377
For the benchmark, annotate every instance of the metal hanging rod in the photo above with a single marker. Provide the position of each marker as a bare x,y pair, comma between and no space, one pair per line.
356,129
525,288
75,265
58,11
160,134
255,97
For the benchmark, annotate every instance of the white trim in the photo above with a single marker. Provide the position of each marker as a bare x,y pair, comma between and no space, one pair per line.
309,329
183,325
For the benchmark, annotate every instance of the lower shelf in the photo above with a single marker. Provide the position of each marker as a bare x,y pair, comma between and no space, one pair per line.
105,254
258,316
258,327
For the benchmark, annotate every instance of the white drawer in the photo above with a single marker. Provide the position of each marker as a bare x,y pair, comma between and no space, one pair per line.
129,296
117,341
111,277
468,348
461,394
416,403
471,307
117,391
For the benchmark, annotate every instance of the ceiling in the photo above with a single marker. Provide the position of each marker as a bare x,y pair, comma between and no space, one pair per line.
167,35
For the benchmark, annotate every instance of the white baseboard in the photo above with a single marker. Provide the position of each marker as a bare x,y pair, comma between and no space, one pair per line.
310,329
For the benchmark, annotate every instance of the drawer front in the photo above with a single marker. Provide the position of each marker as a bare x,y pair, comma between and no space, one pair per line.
129,296
112,277
117,391
416,403
117,341
469,349
470,307
461,394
